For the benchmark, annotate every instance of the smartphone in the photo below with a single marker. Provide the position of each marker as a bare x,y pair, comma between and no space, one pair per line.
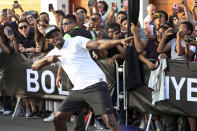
112,5
147,26
15,3
5,12
50,7
10,32
125,3
90,2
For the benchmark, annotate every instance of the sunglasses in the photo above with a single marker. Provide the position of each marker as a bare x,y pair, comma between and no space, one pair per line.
94,19
21,27
30,17
66,23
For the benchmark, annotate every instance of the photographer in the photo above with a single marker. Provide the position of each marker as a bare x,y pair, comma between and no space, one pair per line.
178,48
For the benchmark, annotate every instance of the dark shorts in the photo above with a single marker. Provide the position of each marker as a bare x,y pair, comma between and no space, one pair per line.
97,96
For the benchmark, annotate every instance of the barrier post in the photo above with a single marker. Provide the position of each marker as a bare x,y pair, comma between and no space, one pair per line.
16,107
123,94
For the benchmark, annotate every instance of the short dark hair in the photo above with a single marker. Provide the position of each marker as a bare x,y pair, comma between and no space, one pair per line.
189,26
165,14
97,14
81,8
60,12
164,27
44,13
71,17
105,5
122,12
123,20
23,20
113,26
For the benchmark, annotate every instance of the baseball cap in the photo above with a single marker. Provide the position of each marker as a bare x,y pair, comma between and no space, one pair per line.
50,29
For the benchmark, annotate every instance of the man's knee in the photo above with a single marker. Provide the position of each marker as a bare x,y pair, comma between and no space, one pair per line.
60,117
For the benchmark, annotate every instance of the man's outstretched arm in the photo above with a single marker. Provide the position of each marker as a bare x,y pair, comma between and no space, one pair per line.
106,44
39,64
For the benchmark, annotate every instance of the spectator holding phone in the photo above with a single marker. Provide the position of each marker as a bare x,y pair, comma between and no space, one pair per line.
84,12
16,5
31,18
114,32
125,6
10,37
42,45
178,48
151,9
110,18
44,15
59,15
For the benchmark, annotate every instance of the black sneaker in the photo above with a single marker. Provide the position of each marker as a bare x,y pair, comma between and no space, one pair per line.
34,115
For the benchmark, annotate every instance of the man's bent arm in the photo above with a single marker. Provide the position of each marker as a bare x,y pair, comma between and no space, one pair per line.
39,64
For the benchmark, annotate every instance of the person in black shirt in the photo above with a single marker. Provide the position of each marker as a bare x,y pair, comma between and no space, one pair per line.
26,37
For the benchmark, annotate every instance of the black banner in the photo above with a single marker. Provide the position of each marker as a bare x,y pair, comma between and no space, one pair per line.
181,90
20,80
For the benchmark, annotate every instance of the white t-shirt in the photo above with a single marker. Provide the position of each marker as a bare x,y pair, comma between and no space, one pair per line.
78,64
174,55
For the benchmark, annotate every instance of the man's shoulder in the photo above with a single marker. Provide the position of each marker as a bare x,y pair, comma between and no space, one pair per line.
80,32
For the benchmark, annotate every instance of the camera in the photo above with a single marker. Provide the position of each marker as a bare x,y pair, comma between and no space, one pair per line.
190,39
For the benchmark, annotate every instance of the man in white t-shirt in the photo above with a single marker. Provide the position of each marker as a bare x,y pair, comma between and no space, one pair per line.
88,79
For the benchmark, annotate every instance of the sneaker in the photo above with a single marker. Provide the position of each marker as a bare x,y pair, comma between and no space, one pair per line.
1,110
142,125
7,112
34,115
28,113
50,118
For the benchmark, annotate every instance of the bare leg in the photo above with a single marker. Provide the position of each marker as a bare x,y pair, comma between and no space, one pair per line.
41,104
59,120
111,122
33,104
192,123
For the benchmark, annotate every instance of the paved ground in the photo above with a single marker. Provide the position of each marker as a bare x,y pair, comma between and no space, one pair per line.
23,124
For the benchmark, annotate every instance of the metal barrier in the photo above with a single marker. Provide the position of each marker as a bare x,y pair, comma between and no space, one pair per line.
121,95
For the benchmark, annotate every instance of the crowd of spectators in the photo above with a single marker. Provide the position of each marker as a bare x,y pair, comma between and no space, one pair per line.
171,35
